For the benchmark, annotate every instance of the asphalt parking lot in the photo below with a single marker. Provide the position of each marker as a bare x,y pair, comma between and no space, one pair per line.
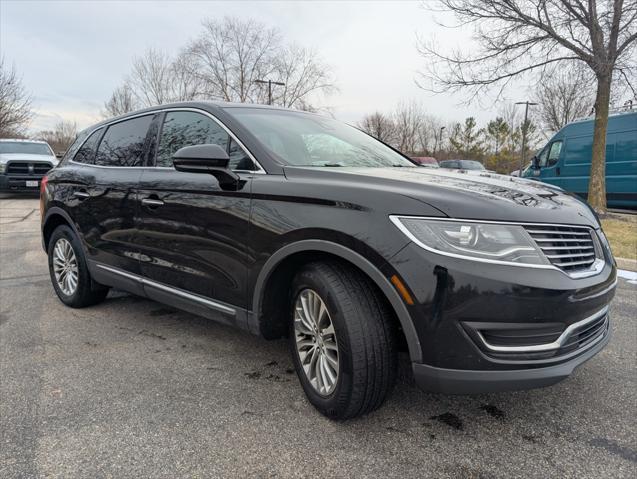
132,388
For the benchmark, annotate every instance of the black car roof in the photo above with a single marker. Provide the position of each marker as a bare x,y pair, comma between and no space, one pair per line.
201,104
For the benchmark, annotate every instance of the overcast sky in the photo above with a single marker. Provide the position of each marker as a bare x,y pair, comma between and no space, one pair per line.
73,54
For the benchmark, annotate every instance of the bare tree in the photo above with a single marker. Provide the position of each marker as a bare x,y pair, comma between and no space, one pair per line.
563,97
408,118
61,137
156,78
15,102
380,126
230,55
302,73
121,101
518,37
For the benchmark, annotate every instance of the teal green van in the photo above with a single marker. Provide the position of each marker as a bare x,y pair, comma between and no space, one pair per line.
565,161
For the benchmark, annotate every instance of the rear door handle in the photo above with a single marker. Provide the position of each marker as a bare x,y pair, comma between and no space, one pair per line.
152,202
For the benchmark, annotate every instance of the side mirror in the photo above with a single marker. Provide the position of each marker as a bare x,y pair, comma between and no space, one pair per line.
211,159
59,155
535,163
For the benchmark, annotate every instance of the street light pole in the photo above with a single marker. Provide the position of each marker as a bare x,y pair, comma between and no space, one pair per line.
269,83
524,128
439,139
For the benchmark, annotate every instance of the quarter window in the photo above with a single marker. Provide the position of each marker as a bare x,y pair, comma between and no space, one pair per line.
123,143
86,153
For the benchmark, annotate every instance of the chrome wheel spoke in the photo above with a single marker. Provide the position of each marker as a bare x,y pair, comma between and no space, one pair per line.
316,342
65,268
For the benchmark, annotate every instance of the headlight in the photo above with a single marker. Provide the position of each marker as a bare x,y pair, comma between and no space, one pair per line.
3,168
605,243
487,242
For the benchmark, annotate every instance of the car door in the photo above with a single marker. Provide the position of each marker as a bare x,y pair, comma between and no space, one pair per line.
108,195
192,232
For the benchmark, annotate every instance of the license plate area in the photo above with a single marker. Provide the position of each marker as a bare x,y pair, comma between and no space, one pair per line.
32,183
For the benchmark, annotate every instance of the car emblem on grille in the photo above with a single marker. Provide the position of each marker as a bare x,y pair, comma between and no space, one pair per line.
31,168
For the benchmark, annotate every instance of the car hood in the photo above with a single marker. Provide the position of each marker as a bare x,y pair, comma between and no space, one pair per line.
468,194
6,157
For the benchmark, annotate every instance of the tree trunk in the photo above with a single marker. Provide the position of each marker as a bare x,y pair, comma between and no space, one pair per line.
597,181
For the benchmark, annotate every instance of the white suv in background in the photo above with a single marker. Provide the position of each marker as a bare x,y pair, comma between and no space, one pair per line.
23,163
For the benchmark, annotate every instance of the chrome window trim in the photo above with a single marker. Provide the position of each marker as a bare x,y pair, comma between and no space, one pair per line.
596,267
558,343
170,289
260,171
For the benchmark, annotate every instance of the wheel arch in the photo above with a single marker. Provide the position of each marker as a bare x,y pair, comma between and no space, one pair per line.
315,249
55,217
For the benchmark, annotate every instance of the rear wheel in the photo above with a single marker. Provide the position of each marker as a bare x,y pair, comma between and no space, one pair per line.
69,274
342,340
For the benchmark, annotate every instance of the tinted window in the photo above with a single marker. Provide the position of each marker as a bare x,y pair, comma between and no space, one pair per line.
239,159
86,154
187,128
123,143
70,153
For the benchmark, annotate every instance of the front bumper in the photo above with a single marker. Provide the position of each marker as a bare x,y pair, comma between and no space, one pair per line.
10,182
479,325
462,381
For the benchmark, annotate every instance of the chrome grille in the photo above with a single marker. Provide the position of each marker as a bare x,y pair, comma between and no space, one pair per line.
570,248
28,168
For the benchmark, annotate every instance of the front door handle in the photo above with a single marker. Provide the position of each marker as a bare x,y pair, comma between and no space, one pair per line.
81,194
152,202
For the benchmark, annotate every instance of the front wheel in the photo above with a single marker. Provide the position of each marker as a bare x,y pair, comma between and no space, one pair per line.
342,340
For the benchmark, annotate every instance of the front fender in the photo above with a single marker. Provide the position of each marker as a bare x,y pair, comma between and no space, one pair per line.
357,260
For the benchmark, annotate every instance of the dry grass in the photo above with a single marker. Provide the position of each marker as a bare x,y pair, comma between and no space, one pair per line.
621,231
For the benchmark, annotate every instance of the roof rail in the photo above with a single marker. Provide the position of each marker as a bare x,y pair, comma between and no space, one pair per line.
628,107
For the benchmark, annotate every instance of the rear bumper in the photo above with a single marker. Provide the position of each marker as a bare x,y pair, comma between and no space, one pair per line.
459,381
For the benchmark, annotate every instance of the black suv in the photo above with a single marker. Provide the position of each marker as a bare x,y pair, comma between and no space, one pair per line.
286,223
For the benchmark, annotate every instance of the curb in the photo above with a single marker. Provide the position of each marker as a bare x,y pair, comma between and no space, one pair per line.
626,264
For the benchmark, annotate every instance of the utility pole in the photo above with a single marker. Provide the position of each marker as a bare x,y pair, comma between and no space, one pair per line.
524,128
269,83
438,139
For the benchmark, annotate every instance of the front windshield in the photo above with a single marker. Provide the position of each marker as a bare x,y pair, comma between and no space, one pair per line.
302,139
25,147
471,165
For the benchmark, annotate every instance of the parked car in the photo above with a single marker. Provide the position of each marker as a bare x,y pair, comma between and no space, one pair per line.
23,163
285,223
565,161
427,161
462,165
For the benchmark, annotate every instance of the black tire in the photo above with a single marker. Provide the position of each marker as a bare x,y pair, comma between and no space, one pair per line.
367,360
87,292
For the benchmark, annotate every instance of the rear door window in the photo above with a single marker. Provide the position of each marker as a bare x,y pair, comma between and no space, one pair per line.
86,153
123,143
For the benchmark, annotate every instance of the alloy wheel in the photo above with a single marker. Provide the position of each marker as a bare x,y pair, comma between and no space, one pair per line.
316,342
65,266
